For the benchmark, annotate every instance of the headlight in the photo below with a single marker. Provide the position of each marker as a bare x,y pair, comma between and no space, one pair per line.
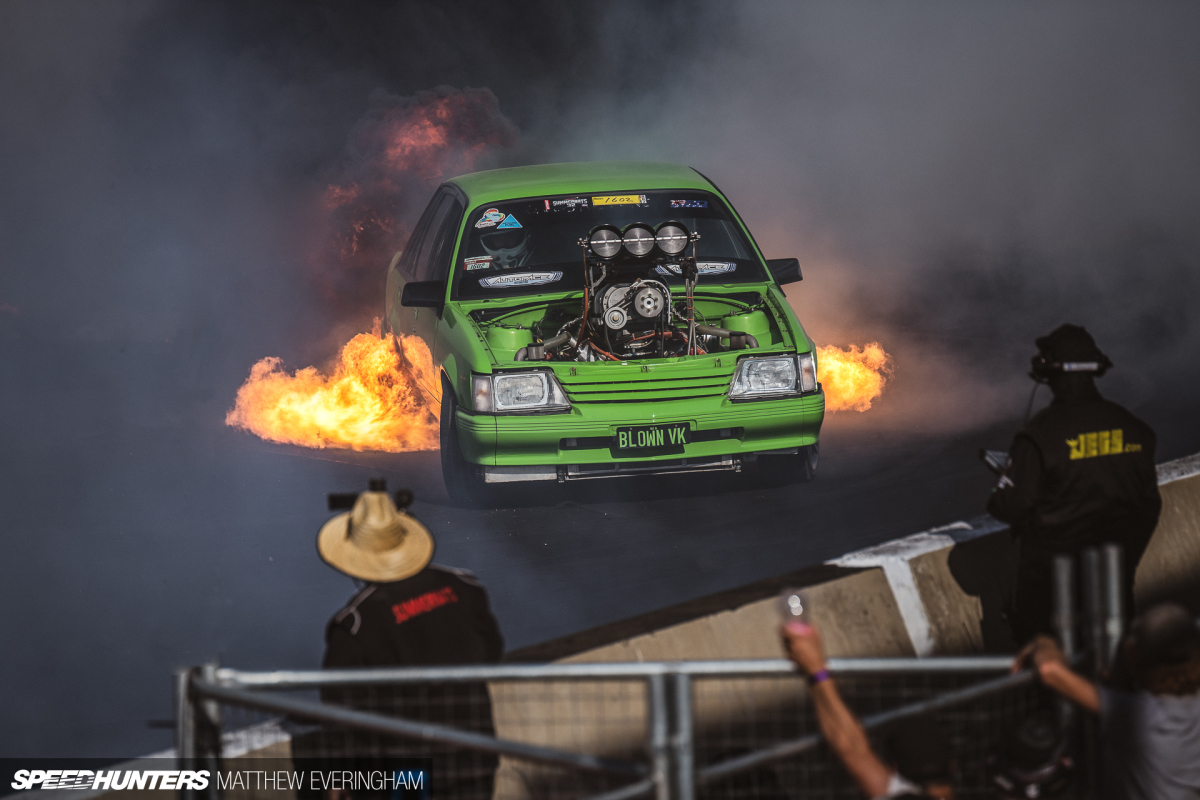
777,376
513,392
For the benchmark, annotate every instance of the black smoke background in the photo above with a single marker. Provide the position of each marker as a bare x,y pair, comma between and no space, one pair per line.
956,180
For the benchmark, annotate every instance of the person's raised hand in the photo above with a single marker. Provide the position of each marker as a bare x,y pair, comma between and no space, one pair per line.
1039,653
803,644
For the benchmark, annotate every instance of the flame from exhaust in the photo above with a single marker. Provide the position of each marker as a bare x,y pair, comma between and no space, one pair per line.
854,377
369,402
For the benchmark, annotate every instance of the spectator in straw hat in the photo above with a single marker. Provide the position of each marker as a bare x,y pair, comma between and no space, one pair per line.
407,612
1150,729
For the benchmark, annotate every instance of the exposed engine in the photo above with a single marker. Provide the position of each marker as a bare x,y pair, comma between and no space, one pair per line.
627,311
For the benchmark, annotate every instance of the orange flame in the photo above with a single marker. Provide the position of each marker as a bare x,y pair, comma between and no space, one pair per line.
854,377
370,402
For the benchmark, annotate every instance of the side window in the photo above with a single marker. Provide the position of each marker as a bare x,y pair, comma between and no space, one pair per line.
443,248
423,266
408,261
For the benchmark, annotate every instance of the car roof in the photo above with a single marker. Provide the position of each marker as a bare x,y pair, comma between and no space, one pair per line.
580,177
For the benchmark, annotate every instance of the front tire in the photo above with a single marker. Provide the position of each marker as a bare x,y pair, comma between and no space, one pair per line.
464,483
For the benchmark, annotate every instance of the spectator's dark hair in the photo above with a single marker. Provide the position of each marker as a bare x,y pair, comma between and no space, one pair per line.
1163,651
1177,679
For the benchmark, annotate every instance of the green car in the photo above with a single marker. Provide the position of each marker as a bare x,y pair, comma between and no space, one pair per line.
595,320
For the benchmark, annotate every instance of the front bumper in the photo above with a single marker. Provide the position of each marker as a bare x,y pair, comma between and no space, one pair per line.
581,443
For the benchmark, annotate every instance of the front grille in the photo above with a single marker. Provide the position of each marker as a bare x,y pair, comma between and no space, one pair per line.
647,389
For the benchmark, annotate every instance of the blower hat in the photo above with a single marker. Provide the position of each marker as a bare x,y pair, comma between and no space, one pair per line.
375,541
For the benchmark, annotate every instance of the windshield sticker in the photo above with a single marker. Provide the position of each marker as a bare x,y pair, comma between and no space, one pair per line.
510,222
689,204
478,262
490,218
566,205
703,267
620,200
519,279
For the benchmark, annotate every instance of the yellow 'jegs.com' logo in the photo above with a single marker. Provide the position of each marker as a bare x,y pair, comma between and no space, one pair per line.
1101,443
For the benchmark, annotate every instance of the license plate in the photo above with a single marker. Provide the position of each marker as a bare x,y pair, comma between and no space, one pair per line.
652,437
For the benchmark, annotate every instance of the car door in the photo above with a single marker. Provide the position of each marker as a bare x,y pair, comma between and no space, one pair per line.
441,261
404,321
424,259
401,271
433,260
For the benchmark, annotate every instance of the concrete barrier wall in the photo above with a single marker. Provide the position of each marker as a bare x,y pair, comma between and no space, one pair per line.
1170,568
939,591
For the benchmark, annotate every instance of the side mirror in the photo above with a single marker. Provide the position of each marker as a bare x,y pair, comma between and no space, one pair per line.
424,294
785,270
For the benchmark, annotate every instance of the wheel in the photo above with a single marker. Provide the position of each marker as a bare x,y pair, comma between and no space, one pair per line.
464,483
786,470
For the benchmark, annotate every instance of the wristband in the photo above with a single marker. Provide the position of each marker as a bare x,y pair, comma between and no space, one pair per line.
820,676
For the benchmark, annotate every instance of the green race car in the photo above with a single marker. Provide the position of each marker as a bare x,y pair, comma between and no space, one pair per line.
603,319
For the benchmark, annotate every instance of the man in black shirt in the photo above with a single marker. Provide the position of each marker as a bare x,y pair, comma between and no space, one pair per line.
1081,474
408,612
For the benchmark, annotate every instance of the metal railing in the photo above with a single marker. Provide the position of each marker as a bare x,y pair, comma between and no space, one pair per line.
669,768
671,730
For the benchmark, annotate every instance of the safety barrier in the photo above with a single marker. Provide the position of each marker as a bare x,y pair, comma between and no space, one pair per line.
704,731
671,730
675,730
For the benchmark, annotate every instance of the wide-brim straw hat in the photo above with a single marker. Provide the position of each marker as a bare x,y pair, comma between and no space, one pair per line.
375,542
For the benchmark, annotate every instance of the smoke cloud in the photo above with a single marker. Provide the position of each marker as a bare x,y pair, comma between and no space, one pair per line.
396,155
955,183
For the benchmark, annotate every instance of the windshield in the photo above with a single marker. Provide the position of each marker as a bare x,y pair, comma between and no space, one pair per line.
531,246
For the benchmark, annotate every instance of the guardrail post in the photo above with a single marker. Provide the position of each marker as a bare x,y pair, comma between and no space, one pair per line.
681,737
1064,623
659,741
1093,596
208,735
197,731
185,720
1114,599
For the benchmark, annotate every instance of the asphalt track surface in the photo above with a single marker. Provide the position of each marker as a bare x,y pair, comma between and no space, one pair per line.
145,535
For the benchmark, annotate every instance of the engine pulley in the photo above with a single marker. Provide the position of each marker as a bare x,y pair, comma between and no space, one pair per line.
615,318
649,302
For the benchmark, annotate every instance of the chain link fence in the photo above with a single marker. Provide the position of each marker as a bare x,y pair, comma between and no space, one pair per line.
606,731
734,729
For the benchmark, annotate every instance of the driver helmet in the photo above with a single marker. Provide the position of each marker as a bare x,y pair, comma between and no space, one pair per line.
508,248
